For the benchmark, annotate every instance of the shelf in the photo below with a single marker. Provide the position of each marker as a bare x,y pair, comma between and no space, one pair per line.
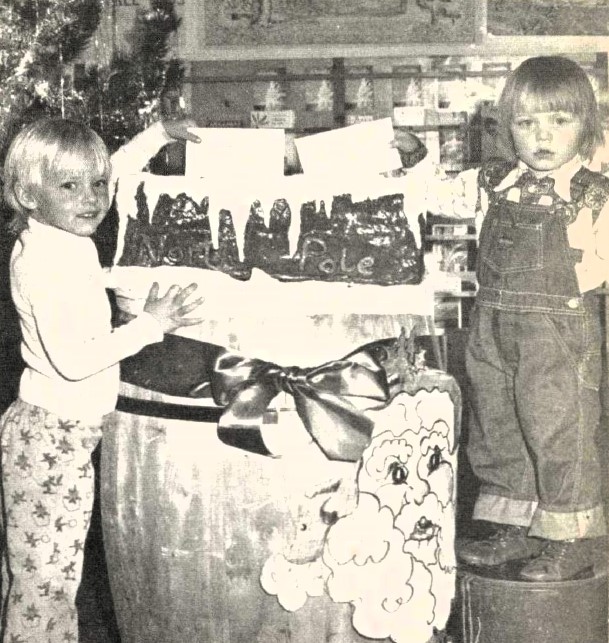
467,275
191,48
455,295
343,75
448,237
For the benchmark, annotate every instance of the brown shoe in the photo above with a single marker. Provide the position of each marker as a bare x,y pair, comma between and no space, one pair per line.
508,542
565,560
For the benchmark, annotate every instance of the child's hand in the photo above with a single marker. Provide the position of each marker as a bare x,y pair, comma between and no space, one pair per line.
179,130
410,149
171,310
406,142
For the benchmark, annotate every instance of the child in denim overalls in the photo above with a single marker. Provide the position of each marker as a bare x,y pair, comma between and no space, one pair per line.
534,351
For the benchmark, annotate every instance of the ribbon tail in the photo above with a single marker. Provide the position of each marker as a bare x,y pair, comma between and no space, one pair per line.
240,437
239,425
247,407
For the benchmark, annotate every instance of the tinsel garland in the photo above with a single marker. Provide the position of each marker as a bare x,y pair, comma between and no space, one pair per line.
127,96
39,39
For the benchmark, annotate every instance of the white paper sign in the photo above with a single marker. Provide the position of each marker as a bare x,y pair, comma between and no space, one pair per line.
364,148
226,153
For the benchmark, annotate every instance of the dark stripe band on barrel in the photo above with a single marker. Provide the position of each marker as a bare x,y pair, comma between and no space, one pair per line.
168,410
247,439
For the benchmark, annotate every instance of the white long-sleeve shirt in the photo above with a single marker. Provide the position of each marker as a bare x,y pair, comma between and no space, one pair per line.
460,197
71,352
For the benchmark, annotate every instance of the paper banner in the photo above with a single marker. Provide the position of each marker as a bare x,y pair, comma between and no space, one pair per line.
364,148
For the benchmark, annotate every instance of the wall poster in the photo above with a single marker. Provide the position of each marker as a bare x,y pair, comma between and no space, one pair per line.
330,22
548,18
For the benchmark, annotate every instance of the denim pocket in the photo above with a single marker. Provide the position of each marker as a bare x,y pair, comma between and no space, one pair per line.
591,369
514,247
592,361
579,338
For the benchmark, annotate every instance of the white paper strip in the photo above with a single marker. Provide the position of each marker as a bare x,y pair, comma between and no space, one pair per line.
361,149
304,323
226,154
266,296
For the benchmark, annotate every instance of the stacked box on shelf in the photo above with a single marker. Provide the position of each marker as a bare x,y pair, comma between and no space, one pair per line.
313,98
216,100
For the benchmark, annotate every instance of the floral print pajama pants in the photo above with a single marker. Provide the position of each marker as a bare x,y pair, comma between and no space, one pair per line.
47,499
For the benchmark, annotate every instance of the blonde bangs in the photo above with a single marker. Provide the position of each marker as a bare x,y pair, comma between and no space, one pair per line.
559,98
73,161
74,153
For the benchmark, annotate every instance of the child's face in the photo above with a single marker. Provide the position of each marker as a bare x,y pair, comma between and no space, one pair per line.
546,140
72,200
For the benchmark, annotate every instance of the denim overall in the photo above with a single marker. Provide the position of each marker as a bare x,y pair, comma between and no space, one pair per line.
534,362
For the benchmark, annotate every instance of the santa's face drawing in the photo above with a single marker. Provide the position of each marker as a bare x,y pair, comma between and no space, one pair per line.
409,467
391,556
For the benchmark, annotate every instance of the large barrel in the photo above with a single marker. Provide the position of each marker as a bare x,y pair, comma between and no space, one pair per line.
188,525
215,540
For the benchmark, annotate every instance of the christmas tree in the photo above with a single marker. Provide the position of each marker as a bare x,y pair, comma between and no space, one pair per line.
413,95
38,40
132,92
274,98
325,97
40,44
365,94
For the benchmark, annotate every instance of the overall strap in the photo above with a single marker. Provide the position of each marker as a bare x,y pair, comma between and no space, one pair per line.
589,189
491,174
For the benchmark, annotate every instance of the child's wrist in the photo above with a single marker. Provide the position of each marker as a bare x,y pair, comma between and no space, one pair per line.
413,156
152,329
168,138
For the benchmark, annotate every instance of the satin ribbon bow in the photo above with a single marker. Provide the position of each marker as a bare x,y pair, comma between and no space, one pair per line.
328,398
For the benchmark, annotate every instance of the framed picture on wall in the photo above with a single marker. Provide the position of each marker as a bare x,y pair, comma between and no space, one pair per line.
548,18
252,23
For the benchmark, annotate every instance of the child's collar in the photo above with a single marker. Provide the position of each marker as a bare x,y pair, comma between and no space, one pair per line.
562,177
52,233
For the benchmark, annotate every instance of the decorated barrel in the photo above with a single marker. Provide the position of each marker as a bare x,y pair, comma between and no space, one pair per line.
330,518
284,470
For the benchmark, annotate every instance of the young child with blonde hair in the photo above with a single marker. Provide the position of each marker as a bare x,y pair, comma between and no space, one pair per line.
58,179
534,351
